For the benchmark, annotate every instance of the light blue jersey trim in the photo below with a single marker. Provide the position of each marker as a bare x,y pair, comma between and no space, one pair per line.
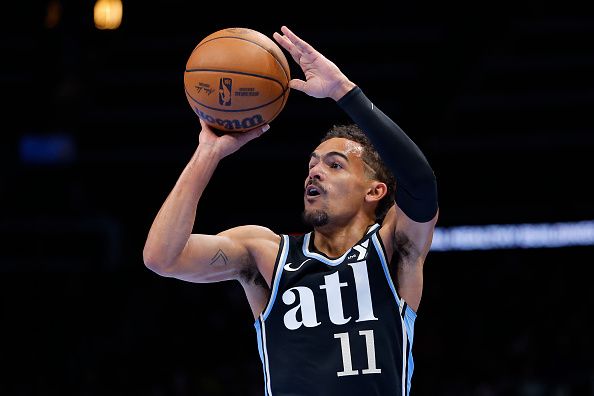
259,322
380,253
279,271
318,256
321,257
409,322
260,351
259,336
408,319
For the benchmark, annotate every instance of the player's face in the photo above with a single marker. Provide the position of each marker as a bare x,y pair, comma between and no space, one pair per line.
336,184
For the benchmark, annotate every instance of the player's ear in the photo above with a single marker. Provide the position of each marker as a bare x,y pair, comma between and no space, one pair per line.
376,191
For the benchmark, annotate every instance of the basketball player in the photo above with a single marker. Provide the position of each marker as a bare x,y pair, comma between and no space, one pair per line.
334,308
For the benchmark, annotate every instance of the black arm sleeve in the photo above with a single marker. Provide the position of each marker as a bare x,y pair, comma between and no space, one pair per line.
416,187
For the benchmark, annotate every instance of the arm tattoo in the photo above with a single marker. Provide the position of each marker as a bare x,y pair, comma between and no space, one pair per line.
219,258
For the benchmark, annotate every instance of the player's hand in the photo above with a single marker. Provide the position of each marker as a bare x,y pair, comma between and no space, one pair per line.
323,79
227,143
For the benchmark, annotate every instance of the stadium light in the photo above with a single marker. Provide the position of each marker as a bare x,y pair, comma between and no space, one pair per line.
514,236
108,14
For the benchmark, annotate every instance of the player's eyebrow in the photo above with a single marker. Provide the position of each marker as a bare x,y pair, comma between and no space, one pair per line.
329,154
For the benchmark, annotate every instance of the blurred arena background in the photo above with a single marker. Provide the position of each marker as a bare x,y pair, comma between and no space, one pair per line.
96,129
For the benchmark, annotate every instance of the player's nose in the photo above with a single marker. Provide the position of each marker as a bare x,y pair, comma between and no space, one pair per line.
316,172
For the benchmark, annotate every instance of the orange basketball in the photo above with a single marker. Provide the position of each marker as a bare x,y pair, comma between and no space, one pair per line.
237,79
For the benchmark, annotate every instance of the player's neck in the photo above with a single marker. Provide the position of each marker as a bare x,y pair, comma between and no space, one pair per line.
335,241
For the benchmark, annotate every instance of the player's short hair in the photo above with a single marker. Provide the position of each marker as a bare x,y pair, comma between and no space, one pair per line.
372,158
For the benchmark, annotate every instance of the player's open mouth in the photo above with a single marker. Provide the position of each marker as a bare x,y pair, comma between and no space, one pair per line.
312,191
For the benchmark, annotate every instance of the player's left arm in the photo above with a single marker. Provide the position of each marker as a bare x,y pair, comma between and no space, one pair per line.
408,227
411,241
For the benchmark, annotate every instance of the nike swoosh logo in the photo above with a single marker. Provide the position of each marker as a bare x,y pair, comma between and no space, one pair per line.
289,268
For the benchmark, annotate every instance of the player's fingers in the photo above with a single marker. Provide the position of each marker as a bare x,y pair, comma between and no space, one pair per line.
297,84
204,125
283,41
298,42
246,136
289,46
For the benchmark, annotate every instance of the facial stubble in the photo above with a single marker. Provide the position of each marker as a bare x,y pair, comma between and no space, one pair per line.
315,218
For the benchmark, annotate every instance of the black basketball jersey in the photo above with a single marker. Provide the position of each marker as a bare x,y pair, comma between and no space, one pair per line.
335,326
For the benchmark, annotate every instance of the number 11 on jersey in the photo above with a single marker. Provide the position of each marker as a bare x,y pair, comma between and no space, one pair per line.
347,361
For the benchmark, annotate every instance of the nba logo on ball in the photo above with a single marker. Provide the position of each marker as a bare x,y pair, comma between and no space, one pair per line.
252,75
225,91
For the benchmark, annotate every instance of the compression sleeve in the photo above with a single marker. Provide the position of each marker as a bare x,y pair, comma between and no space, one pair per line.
416,187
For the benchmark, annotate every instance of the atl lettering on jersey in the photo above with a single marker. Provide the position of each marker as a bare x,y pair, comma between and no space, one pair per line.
335,326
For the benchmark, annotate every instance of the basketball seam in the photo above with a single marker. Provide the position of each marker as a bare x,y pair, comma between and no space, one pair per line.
239,110
249,41
237,72
280,107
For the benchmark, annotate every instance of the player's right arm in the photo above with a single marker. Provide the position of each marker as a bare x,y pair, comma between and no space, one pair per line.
171,249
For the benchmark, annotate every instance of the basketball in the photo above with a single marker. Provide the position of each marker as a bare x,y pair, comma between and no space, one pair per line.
237,79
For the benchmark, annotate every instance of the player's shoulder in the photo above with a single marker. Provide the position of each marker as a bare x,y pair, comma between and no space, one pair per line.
252,232
262,244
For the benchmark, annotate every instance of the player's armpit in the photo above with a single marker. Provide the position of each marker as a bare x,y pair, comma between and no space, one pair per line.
397,226
420,235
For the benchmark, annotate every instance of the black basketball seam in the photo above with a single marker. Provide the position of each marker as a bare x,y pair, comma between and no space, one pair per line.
236,111
237,72
281,105
249,41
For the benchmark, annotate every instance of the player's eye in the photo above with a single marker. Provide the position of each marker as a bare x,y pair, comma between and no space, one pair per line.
335,165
